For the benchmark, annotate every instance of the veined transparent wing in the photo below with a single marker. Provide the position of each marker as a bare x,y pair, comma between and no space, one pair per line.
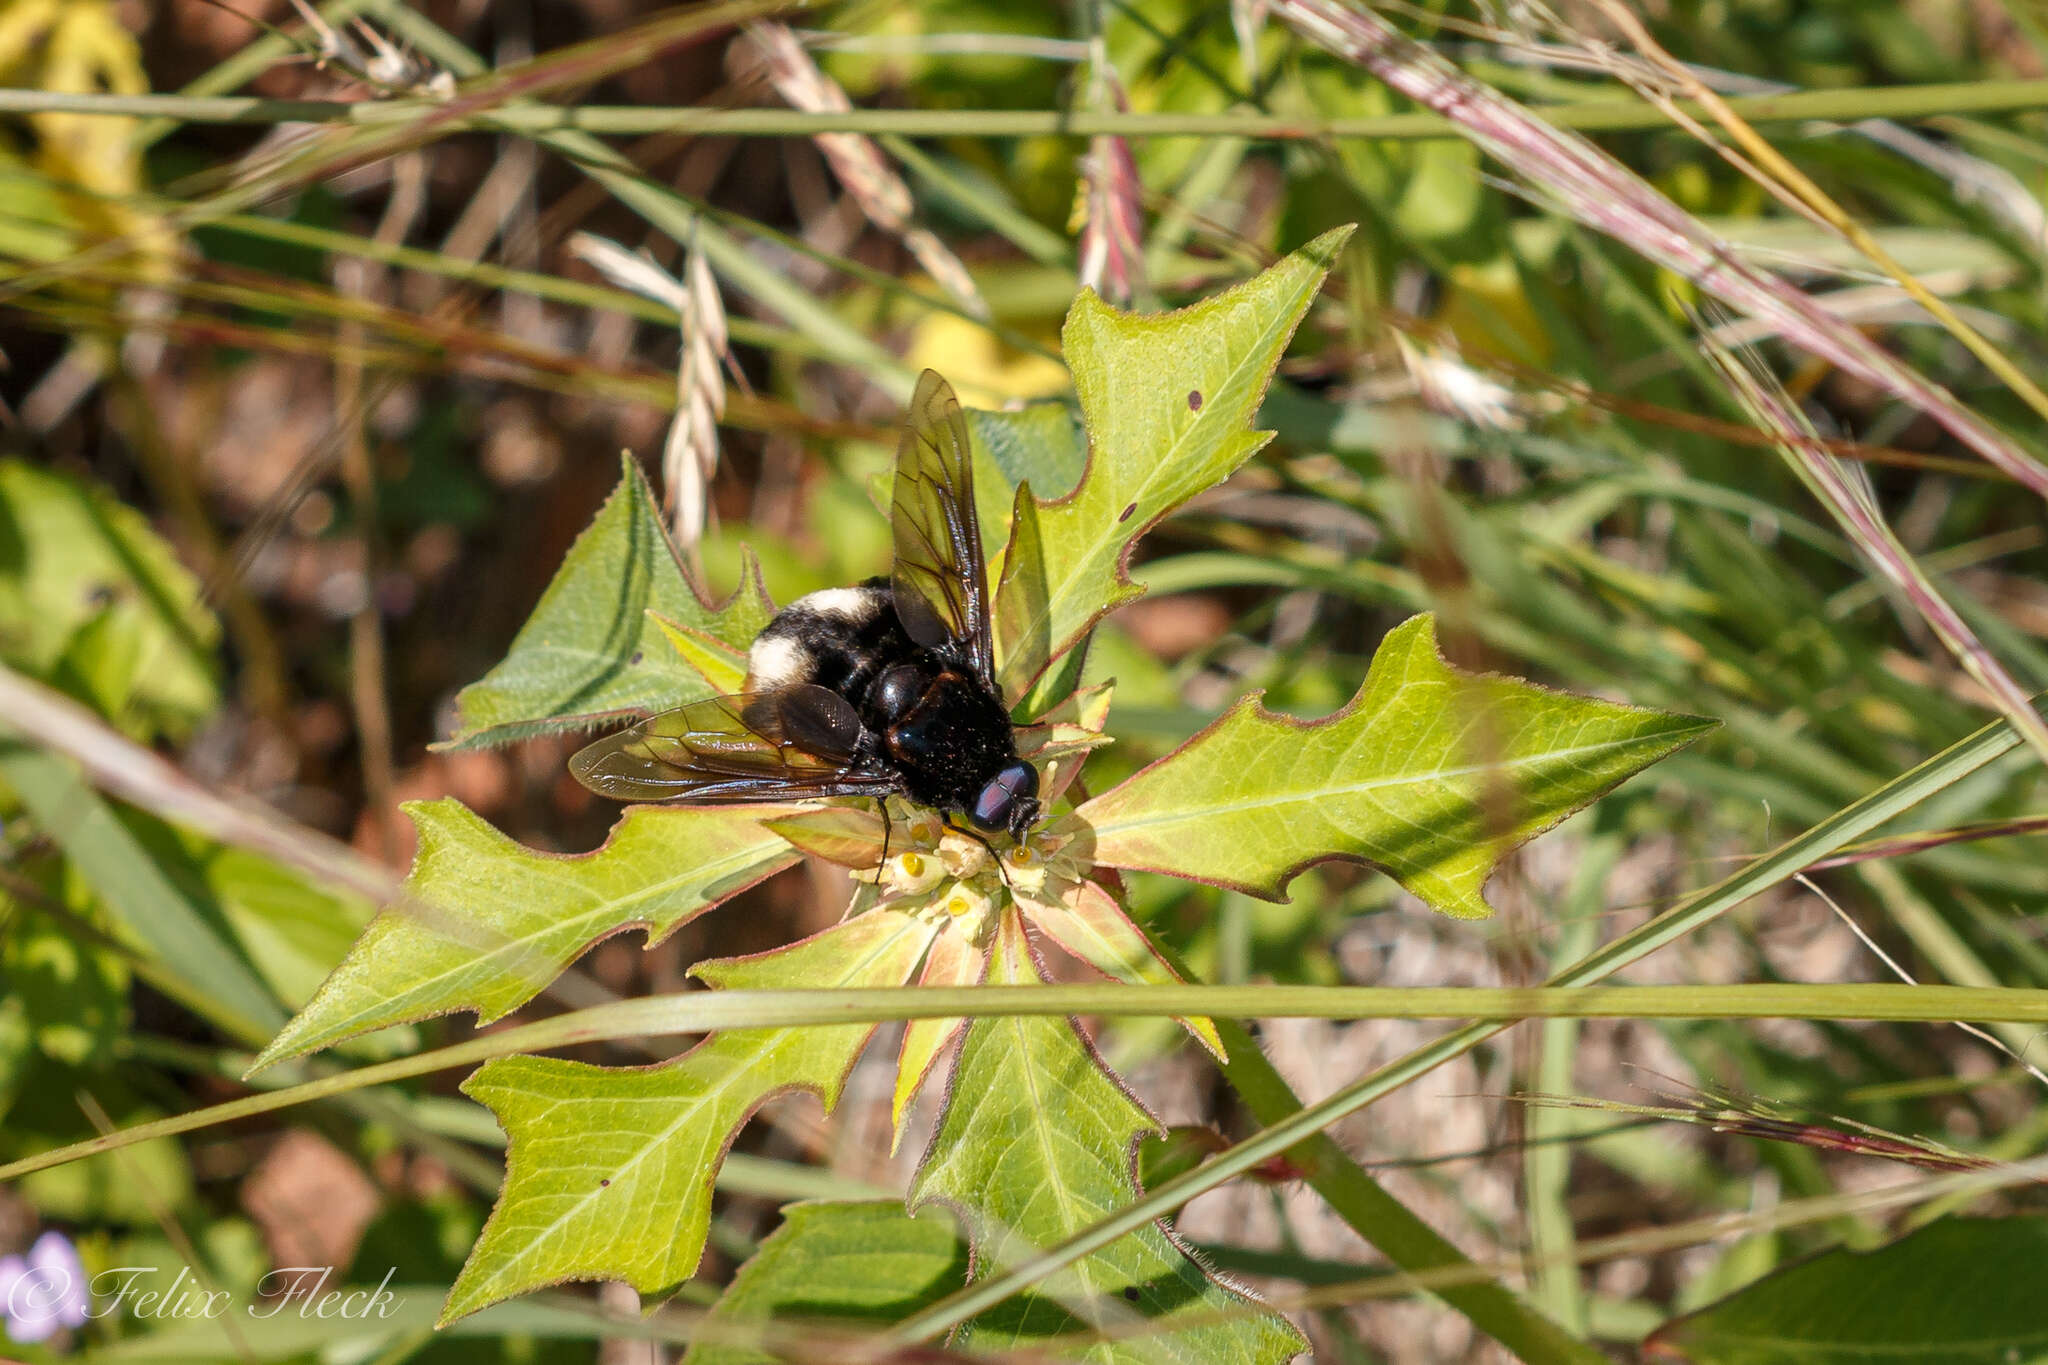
792,743
940,580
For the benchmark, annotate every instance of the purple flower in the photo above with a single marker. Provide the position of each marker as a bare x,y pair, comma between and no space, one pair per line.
44,1290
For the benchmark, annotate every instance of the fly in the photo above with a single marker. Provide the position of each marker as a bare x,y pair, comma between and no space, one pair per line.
886,688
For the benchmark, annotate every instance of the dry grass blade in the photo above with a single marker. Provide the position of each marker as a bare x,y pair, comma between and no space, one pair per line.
1845,491
859,163
1765,1120
1597,190
1920,841
1781,177
125,769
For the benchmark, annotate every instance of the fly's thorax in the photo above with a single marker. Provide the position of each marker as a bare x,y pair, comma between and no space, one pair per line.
952,743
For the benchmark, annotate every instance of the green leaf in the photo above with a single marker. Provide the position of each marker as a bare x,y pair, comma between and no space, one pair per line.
953,961
590,651
1168,402
1039,1143
1963,1291
1041,444
93,601
179,933
484,923
847,1264
1089,924
74,993
1431,774
609,1170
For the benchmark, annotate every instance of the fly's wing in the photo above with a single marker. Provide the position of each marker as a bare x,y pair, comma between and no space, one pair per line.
940,582
791,743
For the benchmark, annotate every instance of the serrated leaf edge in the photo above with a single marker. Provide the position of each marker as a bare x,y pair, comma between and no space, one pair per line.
282,1048
1123,590
1076,825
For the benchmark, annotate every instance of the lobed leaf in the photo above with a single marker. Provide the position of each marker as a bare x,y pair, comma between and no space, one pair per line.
1038,1144
1168,402
953,961
1090,925
857,1263
599,644
609,1169
849,835
484,924
1041,444
721,665
1431,774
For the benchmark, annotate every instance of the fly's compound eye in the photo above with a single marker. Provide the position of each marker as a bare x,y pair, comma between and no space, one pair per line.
1009,801
898,690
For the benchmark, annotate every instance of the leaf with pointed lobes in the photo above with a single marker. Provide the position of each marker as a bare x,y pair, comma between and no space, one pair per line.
1038,1144
1088,923
484,924
609,1170
1168,400
1431,774
722,666
593,648
832,1267
955,960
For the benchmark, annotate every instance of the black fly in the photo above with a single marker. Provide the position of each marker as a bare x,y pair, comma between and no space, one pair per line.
883,689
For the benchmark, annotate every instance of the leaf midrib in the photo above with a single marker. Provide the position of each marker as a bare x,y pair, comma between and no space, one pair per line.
1183,812
1089,568
520,944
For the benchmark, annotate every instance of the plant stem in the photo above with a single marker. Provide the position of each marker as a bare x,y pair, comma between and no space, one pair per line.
1495,1007
1599,116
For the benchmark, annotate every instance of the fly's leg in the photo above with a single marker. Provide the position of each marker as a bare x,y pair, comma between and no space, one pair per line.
946,821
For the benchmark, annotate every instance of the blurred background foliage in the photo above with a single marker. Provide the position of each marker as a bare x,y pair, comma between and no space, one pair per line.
300,420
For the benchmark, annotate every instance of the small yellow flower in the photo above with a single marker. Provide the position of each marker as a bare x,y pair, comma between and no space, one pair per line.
1025,869
963,856
971,909
912,873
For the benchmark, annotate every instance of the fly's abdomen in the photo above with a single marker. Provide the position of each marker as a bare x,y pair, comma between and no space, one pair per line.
838,638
